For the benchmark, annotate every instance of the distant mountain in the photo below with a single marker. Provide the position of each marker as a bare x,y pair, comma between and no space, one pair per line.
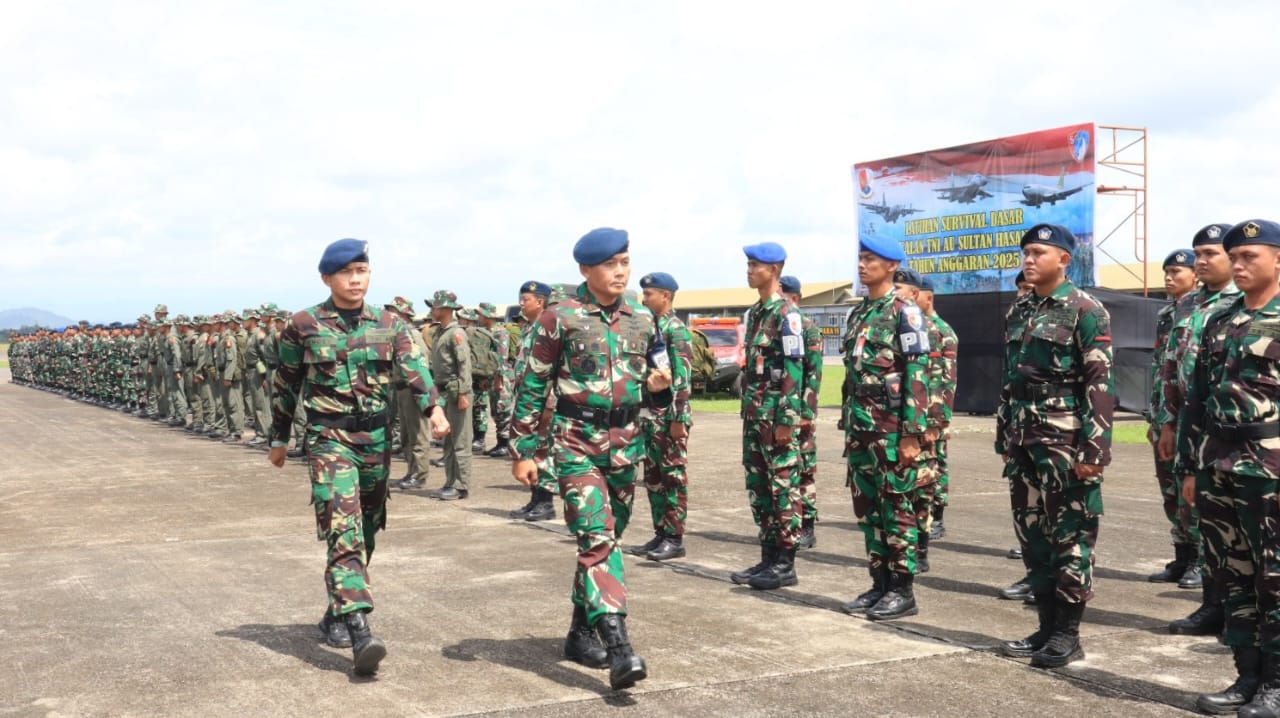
31,317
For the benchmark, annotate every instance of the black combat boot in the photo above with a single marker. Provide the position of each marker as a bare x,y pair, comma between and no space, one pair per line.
477,444
782,572
922,552
367,650
647,546
521,512
625,667
1192,578
879,587
499,451
808,539
544,509
1248,661
1174,569
409,483
1266,701
899,602
938,529
1206,620
768,554
1045,607
335,631
671,547
581,645
1016,592
1063,646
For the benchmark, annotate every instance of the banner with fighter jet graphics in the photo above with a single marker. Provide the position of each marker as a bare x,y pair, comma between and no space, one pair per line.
960,212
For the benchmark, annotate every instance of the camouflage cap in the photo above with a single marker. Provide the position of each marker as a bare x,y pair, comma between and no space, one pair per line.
558,294
268,306
250,313
467,314
487,310
161,309
400,305
282,314
144,319
231,316
444,299
182,319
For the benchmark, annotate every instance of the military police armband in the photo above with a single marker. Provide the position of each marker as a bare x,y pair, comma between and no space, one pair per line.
913,338
792,335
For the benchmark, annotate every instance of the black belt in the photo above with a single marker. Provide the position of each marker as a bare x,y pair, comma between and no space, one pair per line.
1031,392
615,418
350,422
869,391
1244,432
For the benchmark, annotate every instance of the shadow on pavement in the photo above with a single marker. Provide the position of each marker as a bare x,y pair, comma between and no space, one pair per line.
299,640
539,656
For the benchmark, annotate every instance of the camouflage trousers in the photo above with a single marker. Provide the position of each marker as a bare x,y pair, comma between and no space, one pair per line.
773,483
1184,520
1240,523
597,507
481,396
349,493
1055,516
503,406
808,471
884,503
666,478
942,494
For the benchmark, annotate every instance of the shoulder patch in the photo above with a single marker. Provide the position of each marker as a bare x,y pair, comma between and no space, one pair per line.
913,335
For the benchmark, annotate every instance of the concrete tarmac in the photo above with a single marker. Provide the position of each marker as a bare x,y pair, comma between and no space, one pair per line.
151,573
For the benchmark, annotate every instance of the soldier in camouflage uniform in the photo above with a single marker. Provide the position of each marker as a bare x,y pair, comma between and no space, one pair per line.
812,386
1053,431
885,347
592,353
171,351
500,339
451,367
340,358
942,377
484,368
534,297
1179,279
772,401
159,369
666,430
190,389
415,436
229,363
1229,432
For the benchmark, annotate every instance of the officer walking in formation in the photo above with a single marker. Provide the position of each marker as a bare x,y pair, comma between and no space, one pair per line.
534,299
666,429
1053,432
772,402
593,352
451,367
885,415
339,359
1227,431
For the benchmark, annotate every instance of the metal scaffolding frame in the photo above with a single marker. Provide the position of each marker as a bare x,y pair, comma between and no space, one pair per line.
1124,161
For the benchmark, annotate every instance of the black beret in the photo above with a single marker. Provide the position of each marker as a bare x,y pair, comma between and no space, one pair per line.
659,280
1210,234
1179,258
1252,231
1052,234
907,276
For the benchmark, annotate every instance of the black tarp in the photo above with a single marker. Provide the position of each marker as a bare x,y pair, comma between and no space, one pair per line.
979,323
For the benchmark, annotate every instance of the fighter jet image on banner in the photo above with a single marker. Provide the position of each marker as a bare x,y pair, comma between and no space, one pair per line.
967,193
890,213
1034,195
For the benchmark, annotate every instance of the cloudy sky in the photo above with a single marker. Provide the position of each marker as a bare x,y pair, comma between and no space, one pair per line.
203,154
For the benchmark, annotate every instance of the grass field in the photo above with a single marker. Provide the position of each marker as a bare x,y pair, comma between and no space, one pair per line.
4,351
725,403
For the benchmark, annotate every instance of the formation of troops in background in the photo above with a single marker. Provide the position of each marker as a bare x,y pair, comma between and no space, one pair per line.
588,393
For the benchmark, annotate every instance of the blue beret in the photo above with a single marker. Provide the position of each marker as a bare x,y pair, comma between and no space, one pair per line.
1054,235
533,286
907,276
599,245
926,284
659,280
769,252
884,247
343,252
1252,231
1210,234
1179,258
790,284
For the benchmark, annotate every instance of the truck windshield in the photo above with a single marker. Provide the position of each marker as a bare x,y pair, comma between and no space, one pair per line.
720,337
